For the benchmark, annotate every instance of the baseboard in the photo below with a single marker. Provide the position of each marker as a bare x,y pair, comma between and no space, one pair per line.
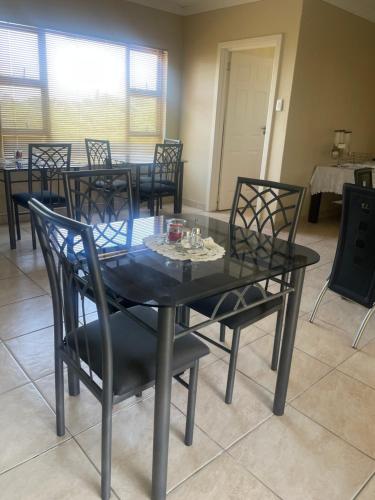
194,204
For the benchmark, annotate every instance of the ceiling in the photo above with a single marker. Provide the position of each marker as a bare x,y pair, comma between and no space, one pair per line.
363,8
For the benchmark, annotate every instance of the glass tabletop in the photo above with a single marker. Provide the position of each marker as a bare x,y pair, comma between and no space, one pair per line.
136,273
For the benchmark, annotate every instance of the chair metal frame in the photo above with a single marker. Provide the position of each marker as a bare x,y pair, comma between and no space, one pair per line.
165,171
103,193
368,300
98,153
267,202
73,267
46,162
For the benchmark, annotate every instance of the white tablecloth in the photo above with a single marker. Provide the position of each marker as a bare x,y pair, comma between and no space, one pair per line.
330,179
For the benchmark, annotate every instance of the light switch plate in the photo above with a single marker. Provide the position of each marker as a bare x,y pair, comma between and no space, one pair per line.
279,104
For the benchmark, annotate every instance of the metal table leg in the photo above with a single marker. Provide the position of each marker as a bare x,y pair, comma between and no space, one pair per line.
291,319
314,207
163,388
9,207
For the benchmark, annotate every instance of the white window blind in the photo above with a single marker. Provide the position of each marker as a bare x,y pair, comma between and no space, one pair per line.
63,88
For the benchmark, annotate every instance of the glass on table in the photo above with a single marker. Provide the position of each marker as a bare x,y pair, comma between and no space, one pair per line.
175,230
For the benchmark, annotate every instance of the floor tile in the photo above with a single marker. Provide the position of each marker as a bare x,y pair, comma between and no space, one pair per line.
368,492
8,269
34,352
298,459
347,316
361,365
223,479
41,279
344,406
132,450
254,361
224,423
29,260
18,288
63,472
82,411
11,375
27,426
25,317
324,342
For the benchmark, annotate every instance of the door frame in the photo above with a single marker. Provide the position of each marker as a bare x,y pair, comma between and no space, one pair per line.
221,94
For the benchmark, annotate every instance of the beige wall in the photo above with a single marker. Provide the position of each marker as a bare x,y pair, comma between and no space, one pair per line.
202,34
116,20
333,88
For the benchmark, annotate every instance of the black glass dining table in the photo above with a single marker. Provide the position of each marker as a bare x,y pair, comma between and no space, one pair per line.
132,272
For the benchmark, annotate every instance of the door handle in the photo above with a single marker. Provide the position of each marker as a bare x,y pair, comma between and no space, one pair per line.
263,129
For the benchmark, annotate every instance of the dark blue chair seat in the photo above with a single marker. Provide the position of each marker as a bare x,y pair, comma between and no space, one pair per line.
146,188
134,349
45,197
207,306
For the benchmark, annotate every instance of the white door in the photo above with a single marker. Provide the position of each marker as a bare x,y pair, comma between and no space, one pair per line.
245,121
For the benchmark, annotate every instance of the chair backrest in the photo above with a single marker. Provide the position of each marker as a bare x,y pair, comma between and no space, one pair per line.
98,196
353,271
267,207
172,141
363,177
45,166
167,158
72,265
98,153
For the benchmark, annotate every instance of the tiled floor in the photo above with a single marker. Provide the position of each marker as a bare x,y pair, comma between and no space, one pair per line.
323,448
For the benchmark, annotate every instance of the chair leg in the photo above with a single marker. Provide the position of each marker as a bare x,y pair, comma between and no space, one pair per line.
318,302
362,327
192,398
222,333
232,365
106,447
59,395
17,221
278,335
33,235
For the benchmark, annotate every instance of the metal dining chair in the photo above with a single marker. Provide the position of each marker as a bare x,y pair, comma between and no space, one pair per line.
266,207
98,153
115,355
98,196
46,162
163,179
353,270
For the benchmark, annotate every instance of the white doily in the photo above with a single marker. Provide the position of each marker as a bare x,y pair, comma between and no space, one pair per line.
210,250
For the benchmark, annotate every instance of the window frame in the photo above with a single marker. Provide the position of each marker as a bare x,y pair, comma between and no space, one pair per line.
155,94
160,94
41,83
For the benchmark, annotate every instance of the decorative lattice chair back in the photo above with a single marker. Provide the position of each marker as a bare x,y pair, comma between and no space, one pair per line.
267,207
166,162
74,274
46,164
98,153
99,196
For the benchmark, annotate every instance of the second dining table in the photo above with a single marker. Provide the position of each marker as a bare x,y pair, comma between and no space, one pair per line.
132,272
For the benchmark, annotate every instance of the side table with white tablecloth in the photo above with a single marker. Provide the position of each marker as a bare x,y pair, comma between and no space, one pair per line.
330,179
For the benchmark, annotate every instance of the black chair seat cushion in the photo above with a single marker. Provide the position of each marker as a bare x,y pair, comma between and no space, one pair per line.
134,349
159,188
45,197
207,306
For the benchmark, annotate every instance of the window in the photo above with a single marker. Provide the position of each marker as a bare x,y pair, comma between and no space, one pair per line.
59,87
